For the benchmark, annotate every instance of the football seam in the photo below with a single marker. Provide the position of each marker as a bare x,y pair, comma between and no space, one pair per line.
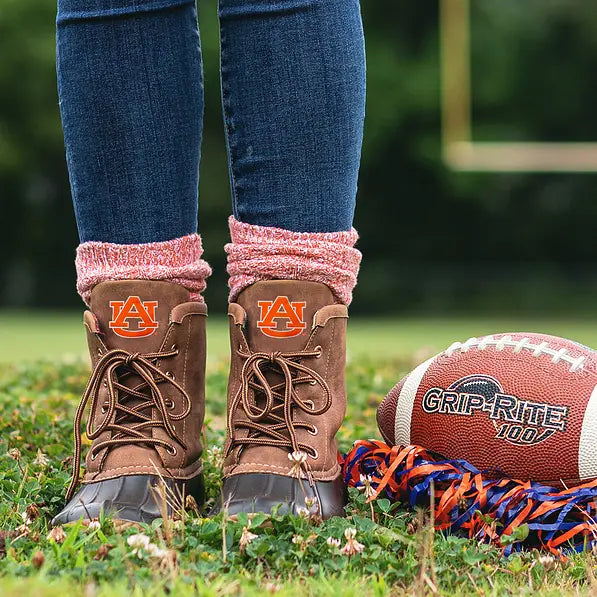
543,349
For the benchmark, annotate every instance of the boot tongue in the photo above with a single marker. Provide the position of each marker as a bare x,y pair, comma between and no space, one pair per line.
134,314
280,313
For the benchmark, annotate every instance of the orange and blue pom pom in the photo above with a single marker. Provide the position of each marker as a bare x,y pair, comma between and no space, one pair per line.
475,503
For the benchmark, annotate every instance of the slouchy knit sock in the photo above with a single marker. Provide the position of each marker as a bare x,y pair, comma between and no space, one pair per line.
256,253
178,261
264,253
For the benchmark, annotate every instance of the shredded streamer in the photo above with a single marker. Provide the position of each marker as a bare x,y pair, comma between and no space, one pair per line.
469,502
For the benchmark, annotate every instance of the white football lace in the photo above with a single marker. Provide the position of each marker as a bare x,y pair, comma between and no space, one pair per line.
557,356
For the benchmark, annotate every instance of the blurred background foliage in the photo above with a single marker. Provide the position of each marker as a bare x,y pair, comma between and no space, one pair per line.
434,241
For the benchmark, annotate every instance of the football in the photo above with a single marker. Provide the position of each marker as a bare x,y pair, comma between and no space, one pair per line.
520,405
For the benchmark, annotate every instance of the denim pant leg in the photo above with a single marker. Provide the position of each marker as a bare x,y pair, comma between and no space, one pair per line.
131,100
293,90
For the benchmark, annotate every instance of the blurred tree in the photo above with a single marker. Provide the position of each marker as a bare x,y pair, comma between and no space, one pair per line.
37,225
434,241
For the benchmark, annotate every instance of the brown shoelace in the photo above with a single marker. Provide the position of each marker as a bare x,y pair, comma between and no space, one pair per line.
273,424
131,425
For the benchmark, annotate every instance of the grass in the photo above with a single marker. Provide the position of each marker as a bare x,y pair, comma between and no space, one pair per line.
202,556
27,336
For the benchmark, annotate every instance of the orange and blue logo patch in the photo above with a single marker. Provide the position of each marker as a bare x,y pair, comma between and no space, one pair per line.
133,310
281,318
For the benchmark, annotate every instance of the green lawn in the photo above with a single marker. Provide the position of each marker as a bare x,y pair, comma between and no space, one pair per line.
34,335
289,556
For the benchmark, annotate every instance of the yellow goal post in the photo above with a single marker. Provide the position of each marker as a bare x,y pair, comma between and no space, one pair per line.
459,150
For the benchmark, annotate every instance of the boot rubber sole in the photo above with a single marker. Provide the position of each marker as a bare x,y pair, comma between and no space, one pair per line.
134,498
266,492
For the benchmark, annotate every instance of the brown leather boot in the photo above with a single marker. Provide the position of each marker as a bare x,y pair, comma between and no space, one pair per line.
147,400
286,400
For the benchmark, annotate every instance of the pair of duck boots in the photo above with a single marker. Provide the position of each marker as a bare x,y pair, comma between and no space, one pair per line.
146,402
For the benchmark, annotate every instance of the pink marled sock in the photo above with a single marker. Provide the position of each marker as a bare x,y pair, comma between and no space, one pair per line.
178,261
264,253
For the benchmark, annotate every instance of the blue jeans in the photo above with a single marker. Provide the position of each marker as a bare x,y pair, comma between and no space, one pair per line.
131,99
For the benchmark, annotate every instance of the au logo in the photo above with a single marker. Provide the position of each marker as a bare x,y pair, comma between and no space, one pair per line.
133,309
281,318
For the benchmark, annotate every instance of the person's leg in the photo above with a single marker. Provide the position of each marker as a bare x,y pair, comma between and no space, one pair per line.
293,85
131,101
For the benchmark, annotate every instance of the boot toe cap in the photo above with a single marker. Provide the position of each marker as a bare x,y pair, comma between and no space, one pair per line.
265,492
131,498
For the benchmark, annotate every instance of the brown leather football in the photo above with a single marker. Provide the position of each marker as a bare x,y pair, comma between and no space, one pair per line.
521,405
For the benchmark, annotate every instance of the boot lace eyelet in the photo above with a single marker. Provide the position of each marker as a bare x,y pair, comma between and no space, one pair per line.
169,403
170,375
175,348
171,450
100,352
315,454
92,457
318,349
313,382
310,404
313,431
